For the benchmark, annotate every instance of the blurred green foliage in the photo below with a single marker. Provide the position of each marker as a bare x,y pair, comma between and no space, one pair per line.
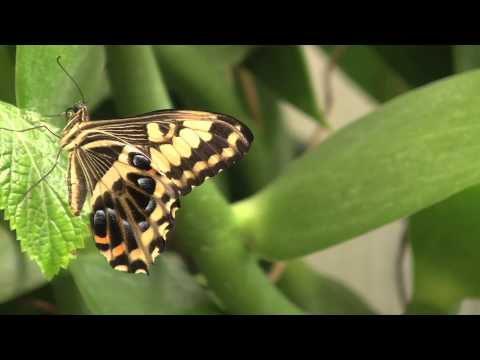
414,157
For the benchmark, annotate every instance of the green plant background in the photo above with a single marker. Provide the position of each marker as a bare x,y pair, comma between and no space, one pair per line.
415,157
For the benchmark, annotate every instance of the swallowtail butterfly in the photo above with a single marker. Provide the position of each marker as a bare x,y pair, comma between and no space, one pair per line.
136,169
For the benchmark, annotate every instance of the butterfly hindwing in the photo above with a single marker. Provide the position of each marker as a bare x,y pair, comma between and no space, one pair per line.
133,211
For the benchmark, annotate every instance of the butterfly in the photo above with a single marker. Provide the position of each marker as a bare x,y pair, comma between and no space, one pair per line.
135,170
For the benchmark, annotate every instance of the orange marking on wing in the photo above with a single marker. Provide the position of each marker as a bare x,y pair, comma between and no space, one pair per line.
102,240
119,250
151,172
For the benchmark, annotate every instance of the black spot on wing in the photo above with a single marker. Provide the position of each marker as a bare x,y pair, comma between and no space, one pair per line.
140,161
113,228
119,260
152,204
102,247
137,265
147,184
99,223
129,236
143,226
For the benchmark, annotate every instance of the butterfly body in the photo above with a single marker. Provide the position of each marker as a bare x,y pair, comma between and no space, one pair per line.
135,170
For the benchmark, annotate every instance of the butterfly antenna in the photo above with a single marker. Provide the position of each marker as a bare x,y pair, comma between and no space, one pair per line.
57,157
71,78
33,128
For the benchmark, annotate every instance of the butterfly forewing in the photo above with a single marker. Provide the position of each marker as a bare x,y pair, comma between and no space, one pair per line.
186,146
136,169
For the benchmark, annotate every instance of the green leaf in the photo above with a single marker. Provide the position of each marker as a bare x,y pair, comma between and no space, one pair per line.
369,70
466,57
318,294
413,152
446,253
7,75
18,274
168,290
44,226
284,70
41,85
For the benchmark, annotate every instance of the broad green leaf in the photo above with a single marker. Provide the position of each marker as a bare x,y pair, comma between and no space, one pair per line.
369,70
42,220
41,85
411,153
18,274
318,294
7,75
446,253
444,238
168,290
284,70
466,57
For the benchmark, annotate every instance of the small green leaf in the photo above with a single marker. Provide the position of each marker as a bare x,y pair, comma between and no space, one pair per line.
446,253
168,290
318,294
411,153
44,226
284,70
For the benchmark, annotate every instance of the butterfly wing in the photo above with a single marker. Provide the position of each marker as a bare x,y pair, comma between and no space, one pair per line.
133,206
136,169
186,146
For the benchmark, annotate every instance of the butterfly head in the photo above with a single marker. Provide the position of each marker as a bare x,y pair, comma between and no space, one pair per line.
74,116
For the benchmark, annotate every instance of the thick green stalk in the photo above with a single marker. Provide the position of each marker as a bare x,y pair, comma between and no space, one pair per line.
136,81
205,222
